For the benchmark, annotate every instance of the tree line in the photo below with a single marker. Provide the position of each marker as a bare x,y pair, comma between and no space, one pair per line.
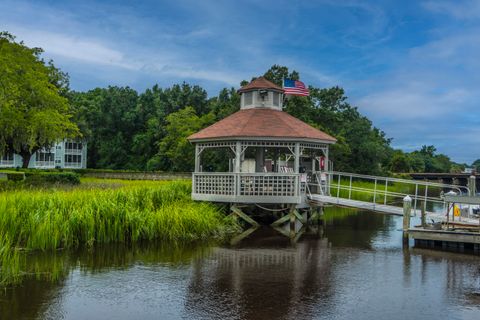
127,129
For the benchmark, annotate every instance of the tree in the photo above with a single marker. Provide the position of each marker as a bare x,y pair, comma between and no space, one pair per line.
476,165
33,112
400,162
109,120
176,152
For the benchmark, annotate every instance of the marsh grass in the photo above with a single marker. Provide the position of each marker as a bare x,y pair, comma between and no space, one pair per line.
101,212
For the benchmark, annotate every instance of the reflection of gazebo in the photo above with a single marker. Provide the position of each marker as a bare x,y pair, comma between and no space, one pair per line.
272,153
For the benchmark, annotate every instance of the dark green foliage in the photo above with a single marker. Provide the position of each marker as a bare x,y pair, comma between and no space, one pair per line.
34,112
424,160
42,178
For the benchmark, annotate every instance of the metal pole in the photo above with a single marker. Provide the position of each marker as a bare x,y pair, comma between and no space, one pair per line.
424,216
350,189
375,193
386,190
338,186
426,196
416,197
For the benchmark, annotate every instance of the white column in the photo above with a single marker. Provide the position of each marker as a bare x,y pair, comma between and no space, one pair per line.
297,157
238,156
197,158
326,160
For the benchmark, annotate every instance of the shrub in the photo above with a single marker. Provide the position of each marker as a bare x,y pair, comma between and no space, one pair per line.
52,178
14,175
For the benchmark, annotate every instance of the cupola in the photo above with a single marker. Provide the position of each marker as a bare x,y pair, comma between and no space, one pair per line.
261,93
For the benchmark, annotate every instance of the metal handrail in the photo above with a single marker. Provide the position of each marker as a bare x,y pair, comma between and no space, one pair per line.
406,181
380,188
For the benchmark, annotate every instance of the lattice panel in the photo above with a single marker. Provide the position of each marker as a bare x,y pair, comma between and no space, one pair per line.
216,144
268,144
215,184
278,186
313,145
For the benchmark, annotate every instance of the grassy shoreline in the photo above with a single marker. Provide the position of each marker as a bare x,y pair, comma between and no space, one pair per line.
101,212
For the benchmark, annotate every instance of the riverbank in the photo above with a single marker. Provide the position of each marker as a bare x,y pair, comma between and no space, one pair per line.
100,212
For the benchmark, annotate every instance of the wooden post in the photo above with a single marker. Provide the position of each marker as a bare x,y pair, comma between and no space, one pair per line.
292,221
407,208
472,185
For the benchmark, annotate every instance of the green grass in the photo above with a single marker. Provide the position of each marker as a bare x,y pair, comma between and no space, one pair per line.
100,212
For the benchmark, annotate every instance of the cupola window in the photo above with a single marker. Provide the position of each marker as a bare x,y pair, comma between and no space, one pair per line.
248,96
276,99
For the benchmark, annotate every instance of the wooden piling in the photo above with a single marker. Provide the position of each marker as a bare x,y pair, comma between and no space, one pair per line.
407,208
472,185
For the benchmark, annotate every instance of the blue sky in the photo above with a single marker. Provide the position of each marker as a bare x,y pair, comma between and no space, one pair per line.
413,67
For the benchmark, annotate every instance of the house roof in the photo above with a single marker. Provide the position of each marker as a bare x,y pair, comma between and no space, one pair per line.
260,83
261,123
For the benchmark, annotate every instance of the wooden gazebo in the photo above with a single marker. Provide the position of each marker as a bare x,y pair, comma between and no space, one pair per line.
272,154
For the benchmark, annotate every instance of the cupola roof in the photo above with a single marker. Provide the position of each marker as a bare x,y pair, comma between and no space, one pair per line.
260,83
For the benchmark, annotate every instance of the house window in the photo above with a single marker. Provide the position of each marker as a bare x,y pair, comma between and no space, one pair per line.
45,156
8,156
73,145
276,99
73,158
248,98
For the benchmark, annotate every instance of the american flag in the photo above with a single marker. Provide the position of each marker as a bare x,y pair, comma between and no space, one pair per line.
295,88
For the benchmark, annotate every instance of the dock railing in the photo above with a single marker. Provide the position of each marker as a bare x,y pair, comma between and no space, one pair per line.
426,196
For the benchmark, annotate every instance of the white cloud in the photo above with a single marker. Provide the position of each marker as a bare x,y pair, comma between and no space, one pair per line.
469,9
74,47
410,104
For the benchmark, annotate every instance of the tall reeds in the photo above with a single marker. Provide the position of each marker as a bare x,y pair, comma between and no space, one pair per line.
53,219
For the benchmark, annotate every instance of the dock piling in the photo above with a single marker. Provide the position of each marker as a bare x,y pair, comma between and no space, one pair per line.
407,208
472,185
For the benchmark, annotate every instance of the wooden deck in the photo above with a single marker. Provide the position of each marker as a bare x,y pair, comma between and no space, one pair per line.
419,233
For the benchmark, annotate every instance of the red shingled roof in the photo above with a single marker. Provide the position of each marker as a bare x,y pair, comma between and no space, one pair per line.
260,83
261,123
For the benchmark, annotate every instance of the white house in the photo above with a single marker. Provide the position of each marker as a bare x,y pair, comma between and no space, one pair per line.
68,154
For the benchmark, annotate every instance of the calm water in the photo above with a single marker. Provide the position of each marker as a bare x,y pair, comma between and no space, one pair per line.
353,268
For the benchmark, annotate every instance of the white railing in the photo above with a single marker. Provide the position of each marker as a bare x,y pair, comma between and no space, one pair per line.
214,183
390,191
263,184
6,163
73,151
246,185
44,164
73,165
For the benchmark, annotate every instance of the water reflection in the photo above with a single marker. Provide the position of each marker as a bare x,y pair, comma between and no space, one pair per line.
264,278
353,268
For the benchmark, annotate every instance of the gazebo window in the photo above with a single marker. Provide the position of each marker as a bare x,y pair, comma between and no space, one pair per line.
248,96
